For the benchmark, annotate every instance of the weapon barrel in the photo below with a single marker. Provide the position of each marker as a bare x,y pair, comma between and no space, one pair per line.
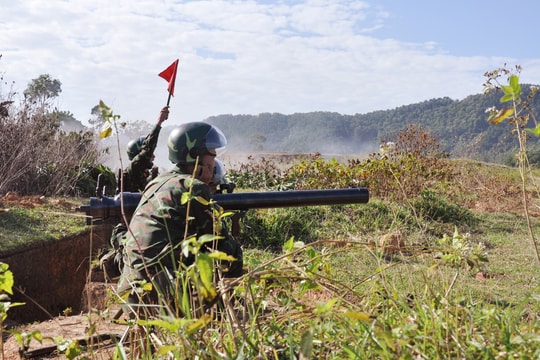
291,198
101,208
105,207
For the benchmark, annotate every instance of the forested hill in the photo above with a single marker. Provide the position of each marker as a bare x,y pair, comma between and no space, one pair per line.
460,125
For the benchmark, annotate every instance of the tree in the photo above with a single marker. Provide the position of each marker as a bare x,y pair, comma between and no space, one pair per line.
43,89
68,122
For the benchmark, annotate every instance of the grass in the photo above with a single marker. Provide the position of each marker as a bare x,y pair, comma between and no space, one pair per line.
319,285
25,221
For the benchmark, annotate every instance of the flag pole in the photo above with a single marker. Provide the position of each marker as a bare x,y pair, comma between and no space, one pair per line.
169,74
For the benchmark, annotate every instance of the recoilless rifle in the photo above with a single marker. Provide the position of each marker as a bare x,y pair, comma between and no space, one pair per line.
102,207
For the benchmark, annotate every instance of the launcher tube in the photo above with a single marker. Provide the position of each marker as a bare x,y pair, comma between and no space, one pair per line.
105,207
291,198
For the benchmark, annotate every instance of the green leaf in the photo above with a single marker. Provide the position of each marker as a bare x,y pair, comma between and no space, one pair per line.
205,265
310,252
306,285
198,324
186,196
535,131
206,238
511,91
506,98
514,84
202,200
6,279
147,286
220,255
508,90
227,214
326,307
289,245
106,130
163,350
167,323
356,315
306,345
501,115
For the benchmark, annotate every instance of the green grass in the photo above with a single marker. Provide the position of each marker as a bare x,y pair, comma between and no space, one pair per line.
21,226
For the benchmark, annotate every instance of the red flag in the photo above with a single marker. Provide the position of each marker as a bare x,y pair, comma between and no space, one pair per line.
169,74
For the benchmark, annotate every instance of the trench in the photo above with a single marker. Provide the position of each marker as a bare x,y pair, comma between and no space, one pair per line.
50,277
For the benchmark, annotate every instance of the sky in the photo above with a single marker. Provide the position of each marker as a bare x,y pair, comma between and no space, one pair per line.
250,57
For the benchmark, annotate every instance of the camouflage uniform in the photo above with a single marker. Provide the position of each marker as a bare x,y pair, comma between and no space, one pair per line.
137,174
135,177
158,227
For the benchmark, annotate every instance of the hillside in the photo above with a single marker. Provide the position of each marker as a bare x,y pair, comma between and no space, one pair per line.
460,125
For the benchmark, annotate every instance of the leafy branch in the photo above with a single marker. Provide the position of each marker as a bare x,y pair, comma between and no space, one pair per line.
517,112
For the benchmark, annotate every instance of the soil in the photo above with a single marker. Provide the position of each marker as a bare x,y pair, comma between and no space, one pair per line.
54,281
100,346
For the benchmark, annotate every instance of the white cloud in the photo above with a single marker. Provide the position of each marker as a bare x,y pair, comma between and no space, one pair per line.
239,57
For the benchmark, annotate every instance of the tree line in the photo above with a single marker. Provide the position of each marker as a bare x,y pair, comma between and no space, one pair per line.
460,126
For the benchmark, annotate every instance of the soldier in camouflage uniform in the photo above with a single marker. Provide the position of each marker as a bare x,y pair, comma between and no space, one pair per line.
153,243
133,178
140,169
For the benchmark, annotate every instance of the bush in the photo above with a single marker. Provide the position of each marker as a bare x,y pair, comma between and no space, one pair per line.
38,157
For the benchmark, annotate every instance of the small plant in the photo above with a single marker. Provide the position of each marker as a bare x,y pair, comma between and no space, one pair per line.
6,289
518,113
262,174
318,173
459,251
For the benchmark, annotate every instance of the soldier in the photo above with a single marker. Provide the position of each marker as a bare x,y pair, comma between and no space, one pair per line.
141,169
133,178
153,251
219,183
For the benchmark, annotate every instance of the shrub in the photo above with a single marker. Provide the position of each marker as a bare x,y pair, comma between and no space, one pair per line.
37,157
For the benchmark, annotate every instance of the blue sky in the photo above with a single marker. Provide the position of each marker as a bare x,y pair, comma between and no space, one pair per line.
249,57
465,27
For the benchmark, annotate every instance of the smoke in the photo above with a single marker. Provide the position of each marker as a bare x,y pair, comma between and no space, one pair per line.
236,153
112,146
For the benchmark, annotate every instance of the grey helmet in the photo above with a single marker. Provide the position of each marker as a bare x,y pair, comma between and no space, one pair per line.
134,147
190,140
219,173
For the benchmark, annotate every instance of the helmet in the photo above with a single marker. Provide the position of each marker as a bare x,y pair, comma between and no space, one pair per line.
190,140
219,172
134,147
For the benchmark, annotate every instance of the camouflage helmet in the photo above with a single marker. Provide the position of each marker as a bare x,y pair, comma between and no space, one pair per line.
134,147
190,140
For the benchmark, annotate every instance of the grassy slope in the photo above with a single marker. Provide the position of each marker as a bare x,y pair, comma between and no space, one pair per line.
25,220
351,297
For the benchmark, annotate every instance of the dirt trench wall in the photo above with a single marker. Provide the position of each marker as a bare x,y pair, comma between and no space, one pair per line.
50,276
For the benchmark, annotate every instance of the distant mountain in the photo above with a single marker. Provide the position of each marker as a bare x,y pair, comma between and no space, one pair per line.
460,125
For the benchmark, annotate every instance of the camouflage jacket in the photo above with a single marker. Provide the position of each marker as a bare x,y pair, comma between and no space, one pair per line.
158,227
138,172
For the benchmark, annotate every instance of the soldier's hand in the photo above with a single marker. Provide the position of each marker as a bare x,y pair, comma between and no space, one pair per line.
163,115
